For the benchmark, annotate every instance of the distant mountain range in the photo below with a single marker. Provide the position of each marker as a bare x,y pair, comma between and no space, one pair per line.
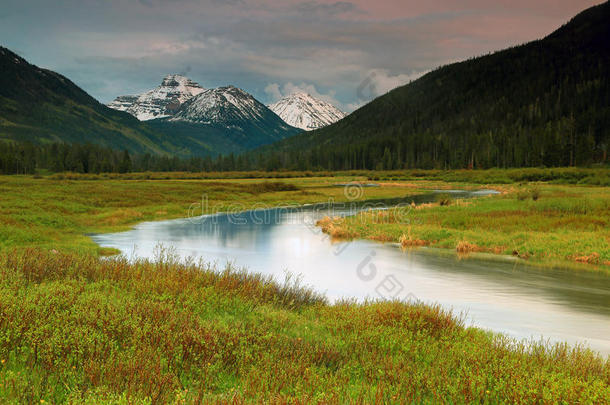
299,110
224,120
545,103
303,111
178,118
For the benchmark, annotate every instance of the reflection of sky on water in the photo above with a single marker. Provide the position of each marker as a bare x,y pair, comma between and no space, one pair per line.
502,296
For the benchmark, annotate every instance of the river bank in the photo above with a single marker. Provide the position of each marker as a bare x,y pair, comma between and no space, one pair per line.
544,224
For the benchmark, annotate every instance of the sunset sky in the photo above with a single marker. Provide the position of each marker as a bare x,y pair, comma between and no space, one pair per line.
268,47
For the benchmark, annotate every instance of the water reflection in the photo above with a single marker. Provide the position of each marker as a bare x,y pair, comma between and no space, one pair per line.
502,296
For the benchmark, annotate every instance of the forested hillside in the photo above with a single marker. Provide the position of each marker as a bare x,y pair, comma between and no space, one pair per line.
543,103
41,106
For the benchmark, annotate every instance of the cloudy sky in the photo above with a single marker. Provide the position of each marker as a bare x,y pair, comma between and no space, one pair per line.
343,51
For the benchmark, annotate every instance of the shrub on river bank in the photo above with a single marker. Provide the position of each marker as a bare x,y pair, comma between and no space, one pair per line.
78,329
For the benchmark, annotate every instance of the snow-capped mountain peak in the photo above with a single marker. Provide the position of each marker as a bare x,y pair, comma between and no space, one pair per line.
221,105
304,111
233,113
162,101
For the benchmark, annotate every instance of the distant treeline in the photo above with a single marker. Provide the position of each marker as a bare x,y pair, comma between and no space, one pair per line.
29,158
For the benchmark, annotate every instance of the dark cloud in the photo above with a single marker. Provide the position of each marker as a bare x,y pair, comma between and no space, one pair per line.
267,46
318,9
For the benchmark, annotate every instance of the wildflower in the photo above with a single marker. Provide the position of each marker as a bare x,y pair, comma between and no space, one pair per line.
2,361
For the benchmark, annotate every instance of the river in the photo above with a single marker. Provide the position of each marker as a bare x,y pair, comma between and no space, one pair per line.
506,296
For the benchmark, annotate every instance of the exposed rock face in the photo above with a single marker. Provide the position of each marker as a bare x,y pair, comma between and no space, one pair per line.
159,102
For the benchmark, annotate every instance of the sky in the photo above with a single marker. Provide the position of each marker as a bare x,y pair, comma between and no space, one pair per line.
345,52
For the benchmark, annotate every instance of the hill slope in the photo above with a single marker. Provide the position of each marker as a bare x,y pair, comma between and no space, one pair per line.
42,106
543,103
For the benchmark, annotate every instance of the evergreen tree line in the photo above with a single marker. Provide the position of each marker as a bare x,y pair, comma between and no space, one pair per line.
29,158
385,154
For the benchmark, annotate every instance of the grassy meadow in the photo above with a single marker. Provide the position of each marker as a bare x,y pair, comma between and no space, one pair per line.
79,329
547,224
76,329
57,212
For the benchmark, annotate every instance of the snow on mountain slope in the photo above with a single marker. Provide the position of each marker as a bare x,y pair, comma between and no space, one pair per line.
303,111
223,105
162,101
227,118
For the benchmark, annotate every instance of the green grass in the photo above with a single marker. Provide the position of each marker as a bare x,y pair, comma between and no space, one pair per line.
76,329
566,175
58,212
545,224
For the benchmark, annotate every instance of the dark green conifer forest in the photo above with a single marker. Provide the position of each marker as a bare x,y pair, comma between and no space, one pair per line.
545,103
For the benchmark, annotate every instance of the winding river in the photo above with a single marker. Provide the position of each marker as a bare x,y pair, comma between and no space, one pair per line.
500,295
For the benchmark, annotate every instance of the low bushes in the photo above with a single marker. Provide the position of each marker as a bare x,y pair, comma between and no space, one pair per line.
78,329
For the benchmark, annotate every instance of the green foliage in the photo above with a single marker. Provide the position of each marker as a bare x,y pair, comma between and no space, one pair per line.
76,329
444,199
566,175
522,195
535,193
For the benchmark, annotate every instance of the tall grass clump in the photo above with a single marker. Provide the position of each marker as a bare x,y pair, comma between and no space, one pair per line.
444,199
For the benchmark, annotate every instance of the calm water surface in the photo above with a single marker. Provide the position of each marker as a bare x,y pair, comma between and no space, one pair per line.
503,296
